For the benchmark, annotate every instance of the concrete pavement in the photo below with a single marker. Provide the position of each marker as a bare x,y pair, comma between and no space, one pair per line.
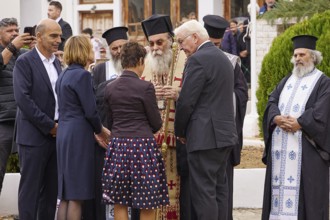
247,214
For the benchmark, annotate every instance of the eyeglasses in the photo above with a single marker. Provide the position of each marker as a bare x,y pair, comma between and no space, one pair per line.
157,42
180,41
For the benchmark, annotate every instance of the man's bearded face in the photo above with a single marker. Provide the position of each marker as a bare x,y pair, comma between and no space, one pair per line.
115,49
302,61
160,55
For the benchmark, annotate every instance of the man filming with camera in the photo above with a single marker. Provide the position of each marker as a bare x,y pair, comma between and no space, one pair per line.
11,43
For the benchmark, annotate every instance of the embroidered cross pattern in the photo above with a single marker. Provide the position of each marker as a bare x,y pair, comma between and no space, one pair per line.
289,203
291,179
278,131
292,155
289,86
296,108
304,87
171,184
277,155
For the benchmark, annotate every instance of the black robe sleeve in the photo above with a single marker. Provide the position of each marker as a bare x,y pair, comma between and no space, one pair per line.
241,95
315,121
271,111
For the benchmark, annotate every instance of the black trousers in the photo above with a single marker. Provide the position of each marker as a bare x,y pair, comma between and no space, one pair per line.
207,176
6,141
37,193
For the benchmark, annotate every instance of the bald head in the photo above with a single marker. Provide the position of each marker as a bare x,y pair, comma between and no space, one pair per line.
48,33
47,23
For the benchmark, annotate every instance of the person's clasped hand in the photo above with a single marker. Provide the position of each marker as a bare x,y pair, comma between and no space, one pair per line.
103,137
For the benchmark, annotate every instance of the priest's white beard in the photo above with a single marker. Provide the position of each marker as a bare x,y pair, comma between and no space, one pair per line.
302,70
160,61
116,63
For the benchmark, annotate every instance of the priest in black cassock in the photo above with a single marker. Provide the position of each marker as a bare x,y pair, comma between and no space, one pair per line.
297,139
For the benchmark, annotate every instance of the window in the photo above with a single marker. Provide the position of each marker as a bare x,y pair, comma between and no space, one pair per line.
137,10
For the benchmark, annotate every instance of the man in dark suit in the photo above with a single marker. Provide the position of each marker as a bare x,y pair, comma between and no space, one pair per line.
34,76
204,119
216,27
54,12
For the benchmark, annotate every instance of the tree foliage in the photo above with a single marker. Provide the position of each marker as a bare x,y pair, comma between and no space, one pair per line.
12,164
297,9
276,64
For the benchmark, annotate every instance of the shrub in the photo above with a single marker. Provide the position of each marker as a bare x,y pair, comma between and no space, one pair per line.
12,164
276,64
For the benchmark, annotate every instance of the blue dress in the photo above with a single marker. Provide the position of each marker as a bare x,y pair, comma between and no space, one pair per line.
75,142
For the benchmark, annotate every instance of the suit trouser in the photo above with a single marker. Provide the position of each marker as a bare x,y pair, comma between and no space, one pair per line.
207,173
229,185
6,140
94,209
37,193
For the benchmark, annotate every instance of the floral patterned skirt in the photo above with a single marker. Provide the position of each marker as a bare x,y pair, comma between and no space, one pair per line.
134,174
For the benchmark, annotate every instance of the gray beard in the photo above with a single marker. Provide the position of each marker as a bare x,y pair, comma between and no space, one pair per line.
117,64
301,71
161,62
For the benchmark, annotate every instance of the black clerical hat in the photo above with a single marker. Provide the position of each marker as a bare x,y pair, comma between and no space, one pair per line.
115,33
215,25
304,41
157,24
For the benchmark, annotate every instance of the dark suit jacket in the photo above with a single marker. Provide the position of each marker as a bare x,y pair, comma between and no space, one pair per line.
204,110
132,107
35,99
66,32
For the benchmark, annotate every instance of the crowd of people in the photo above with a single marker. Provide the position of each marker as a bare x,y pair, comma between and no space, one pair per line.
156,128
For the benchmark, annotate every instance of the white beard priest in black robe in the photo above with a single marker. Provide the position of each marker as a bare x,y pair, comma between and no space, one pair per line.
297,138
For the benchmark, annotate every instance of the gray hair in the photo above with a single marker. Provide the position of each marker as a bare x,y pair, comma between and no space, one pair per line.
316,57
192,27
8,22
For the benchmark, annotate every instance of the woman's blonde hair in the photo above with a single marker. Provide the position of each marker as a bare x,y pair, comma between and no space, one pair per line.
77,49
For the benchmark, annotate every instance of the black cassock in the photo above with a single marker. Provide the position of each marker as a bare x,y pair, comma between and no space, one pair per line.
315,123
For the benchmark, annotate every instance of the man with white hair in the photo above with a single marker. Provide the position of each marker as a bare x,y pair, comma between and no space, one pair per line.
164,68
296,133
205,120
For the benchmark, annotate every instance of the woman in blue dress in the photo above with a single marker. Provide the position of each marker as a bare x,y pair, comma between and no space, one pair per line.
134,172
78,128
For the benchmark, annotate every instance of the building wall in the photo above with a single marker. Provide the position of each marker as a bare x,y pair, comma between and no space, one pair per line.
9,9
265,34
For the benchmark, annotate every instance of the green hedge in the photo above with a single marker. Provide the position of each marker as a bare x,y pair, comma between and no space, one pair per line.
12,164
276,64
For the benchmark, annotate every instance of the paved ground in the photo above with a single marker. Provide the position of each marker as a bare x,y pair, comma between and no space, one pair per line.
247,214
239,214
